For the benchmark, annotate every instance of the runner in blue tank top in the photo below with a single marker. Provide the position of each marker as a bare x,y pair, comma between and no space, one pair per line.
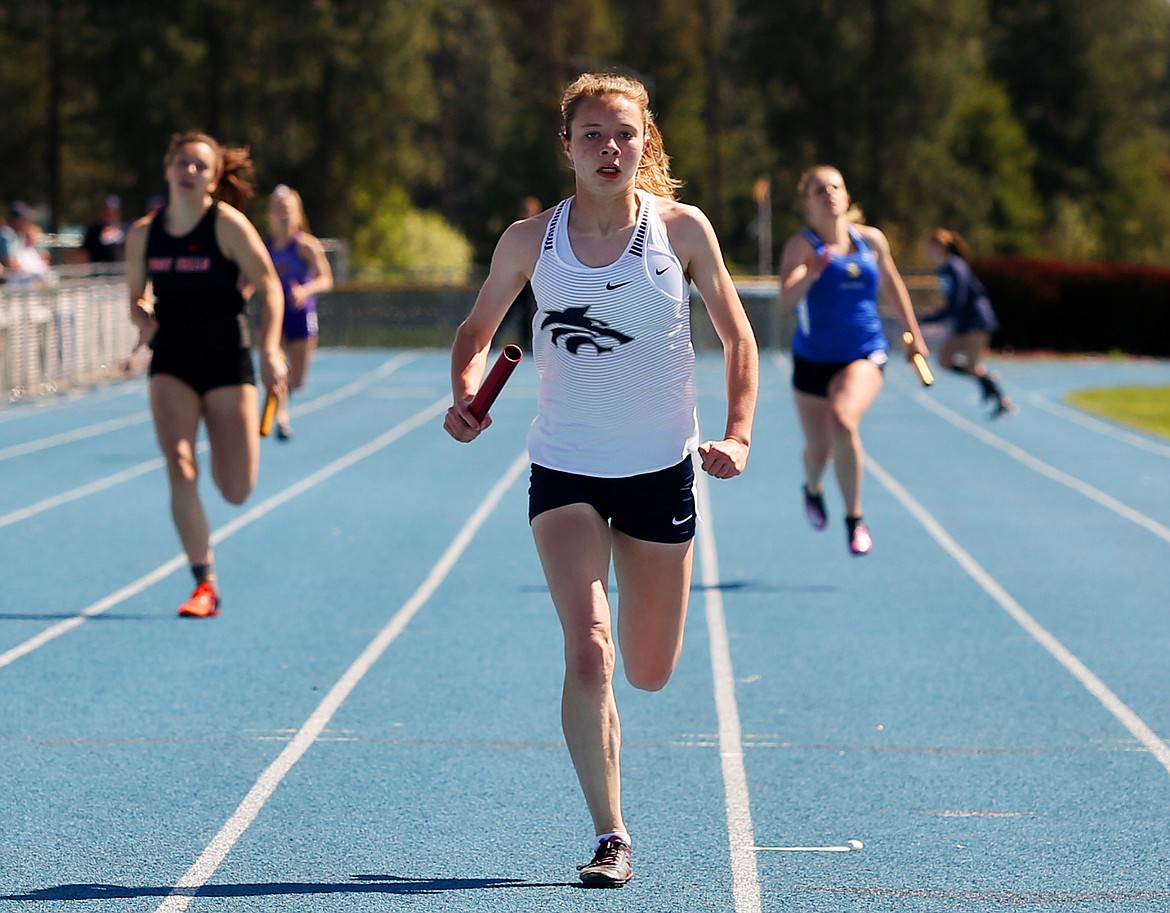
305,273
833,274
611,270
838,320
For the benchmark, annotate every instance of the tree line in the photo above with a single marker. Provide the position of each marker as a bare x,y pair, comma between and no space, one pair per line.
415,127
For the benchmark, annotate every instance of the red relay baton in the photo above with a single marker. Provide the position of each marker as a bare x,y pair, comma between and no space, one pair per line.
495,380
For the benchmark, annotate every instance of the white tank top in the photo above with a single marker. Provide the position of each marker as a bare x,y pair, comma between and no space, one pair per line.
612,346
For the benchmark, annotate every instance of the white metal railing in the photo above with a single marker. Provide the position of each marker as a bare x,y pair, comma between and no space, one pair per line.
72,330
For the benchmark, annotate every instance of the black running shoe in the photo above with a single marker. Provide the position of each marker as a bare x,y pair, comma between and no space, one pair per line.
612,865
814,509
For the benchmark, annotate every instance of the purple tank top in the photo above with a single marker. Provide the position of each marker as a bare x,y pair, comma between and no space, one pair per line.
291,268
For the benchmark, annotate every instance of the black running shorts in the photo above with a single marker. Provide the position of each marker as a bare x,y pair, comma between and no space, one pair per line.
204,371
814,377
654,507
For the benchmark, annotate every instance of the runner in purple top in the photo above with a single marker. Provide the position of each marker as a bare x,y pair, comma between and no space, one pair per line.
304,273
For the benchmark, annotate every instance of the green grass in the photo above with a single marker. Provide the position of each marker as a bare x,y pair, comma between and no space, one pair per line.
1146,408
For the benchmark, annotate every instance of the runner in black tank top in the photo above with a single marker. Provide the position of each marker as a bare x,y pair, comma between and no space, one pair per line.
184,265
202,336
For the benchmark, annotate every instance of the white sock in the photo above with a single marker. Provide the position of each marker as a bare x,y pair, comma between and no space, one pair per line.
621,835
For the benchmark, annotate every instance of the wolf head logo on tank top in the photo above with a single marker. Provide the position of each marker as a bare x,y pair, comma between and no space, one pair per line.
573,328
576,328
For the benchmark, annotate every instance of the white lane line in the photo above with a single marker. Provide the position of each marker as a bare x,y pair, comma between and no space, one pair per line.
745,876
849,846
223,842
77,434
356,386
75,494
1110,701
1137,727
97,608
102,605
1022,456
125,475
1098,425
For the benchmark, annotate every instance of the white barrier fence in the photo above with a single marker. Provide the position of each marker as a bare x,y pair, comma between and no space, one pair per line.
72,331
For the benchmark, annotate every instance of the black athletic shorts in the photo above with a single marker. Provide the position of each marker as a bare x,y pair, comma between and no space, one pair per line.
814,377
655,506
204,371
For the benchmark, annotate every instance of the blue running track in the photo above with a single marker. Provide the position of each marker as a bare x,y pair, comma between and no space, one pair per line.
972,718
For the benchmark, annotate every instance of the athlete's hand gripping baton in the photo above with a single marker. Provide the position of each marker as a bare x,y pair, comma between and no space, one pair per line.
920,365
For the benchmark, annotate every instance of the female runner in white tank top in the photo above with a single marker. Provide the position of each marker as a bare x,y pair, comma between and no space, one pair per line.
616,425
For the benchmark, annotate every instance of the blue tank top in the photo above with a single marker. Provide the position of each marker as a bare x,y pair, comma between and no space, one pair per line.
838,320
198,303
291,268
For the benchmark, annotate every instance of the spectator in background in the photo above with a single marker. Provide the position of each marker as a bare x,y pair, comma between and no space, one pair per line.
105,239
22,252
7,239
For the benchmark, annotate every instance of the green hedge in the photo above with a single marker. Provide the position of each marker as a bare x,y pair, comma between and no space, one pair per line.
1078,307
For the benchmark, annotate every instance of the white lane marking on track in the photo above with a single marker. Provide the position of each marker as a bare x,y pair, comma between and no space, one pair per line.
77,434
125,475
63,627
75,494
1111,702
97,608
851,846
221,844
1022,456
745,876
356,386
1095,424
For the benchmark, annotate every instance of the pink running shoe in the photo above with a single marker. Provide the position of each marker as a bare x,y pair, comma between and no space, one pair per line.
860,541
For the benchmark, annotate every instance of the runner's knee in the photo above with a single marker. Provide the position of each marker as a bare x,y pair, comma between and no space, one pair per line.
590,658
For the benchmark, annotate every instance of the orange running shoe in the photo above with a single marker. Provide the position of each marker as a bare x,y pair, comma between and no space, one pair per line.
204,602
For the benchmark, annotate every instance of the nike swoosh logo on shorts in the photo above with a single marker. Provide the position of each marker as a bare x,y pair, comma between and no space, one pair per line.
675,522
610,286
